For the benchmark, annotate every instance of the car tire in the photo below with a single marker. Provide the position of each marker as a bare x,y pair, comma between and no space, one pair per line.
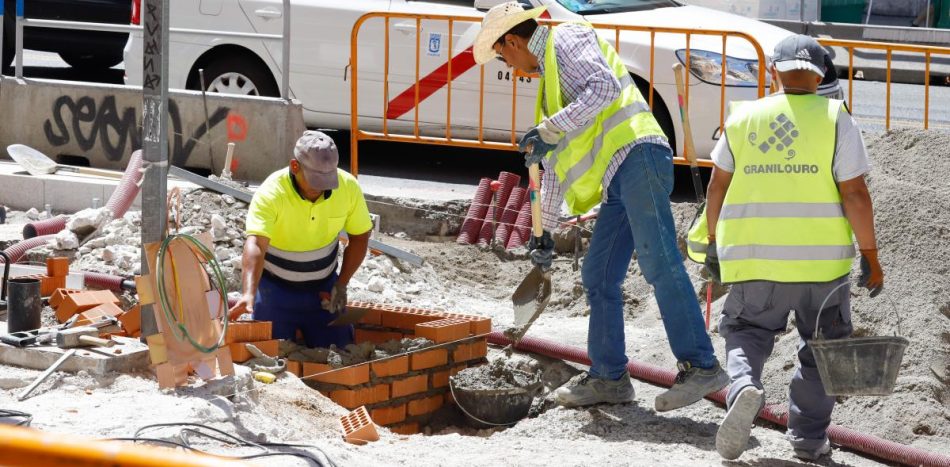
101,61
660,109
236,75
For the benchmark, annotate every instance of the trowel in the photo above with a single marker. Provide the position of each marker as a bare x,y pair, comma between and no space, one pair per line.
534,292
38,164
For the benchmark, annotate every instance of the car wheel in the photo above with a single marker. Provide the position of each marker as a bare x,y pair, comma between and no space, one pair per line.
660,110
91,61
233,75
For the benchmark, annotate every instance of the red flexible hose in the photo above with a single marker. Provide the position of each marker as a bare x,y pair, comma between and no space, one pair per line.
775,413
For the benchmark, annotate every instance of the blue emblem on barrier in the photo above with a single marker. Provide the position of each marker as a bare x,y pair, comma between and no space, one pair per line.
435,43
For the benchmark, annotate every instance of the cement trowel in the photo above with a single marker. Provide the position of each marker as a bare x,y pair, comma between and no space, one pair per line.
38,164
533,294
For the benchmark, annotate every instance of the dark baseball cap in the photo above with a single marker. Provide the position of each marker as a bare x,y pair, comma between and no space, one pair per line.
800,52
316,152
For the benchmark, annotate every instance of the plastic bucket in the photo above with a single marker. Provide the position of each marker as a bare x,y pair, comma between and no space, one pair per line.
858,366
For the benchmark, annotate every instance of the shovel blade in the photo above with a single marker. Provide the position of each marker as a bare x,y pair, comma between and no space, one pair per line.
35,162
350,315
531,296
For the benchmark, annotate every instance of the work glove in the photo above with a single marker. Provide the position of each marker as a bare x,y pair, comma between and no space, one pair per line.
872,276
541,250
712,262
538,141
336,301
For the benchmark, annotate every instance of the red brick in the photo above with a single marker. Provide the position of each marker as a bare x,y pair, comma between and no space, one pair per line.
443,330
348,376
89,316
429,358
240,354
410,385
404,318
390,366
248,331
389,415
132,320
294,367
424,406
358,428
372,316
462,353
57,267
82,301
59,295
405,429
480,325
352,398
376,337
480,348
440,379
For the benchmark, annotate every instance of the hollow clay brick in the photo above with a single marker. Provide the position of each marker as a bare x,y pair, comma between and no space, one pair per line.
294,367
105,310
479,326
388,415
480,348
440,379
349,376
248,331
406,319
405,429
57,267
56,299
410,385
352,398
390,366
132,320
429,358
424,406
372,316
376,337
462,353
358,428
240,354
82,301
443,330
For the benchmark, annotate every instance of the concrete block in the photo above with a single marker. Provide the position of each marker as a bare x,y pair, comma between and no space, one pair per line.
126,356
22,192
74,196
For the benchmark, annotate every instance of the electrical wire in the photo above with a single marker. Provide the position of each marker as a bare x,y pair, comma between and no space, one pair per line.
196,429
27,418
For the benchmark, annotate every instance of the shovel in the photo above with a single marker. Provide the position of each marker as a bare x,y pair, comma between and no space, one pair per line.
37,164
533,294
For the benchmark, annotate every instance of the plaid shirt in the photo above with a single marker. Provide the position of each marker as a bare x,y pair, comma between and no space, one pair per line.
588,86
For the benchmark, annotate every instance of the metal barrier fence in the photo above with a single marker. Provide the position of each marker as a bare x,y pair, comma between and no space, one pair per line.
889,48
22,22
358,135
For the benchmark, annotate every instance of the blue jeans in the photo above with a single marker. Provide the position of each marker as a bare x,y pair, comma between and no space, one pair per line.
637,216
290,308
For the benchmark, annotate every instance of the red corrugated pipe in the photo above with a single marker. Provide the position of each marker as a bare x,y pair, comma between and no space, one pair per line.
507,181
120,201
468,234
509,215
775,413
521,231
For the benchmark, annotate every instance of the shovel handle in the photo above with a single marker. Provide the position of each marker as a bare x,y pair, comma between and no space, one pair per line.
534,188
91,171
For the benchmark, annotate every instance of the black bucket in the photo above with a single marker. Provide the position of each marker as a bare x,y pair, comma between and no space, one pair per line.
486,408
858,366
24,305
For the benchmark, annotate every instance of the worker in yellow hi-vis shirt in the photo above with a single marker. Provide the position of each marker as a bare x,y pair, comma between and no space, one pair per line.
290,257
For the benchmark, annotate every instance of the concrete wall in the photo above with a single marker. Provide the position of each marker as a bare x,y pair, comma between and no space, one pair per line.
103,124
898,7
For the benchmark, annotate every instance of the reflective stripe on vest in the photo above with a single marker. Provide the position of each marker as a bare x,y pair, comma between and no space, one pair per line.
782,218
583,155
302,266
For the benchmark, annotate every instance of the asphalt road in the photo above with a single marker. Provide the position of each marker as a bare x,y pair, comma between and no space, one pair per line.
465,166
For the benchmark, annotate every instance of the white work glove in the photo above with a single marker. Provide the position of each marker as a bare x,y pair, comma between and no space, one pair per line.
337,301
549,134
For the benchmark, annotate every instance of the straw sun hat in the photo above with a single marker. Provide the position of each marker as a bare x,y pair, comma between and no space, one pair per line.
499,20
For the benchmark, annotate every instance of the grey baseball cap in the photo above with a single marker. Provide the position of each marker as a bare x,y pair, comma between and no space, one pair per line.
316,152
799,52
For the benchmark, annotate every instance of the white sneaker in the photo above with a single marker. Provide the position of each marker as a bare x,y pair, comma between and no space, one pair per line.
813,454
733,435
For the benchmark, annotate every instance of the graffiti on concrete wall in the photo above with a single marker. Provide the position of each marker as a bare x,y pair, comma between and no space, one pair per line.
117,132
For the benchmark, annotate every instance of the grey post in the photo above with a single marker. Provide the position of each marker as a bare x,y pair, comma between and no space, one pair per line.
2,65
285,53
154,134
18,39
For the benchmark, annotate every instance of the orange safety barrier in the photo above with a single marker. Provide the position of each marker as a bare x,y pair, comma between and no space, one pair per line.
358,135
29,447
889,48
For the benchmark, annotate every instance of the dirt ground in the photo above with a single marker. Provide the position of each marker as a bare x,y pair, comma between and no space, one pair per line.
909,188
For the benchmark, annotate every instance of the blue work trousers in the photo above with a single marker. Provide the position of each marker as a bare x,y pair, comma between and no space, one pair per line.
291,307
637,216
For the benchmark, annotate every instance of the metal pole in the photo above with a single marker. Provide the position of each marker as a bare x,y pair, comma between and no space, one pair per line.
154,134
18,32
4,63
285,55
801,11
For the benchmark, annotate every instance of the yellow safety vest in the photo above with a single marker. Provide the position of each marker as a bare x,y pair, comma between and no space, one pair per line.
583,155
782,218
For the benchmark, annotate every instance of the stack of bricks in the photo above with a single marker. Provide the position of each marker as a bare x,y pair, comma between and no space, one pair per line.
401,392
249,332
90,305
55,278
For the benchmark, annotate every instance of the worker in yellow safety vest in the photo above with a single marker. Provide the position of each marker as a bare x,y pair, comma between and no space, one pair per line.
290,260
786,191
600,144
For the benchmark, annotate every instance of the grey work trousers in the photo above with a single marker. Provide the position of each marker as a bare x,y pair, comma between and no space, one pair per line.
754,313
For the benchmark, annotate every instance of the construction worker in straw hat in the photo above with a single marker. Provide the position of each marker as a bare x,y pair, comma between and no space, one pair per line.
786,191
599,143
290,257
